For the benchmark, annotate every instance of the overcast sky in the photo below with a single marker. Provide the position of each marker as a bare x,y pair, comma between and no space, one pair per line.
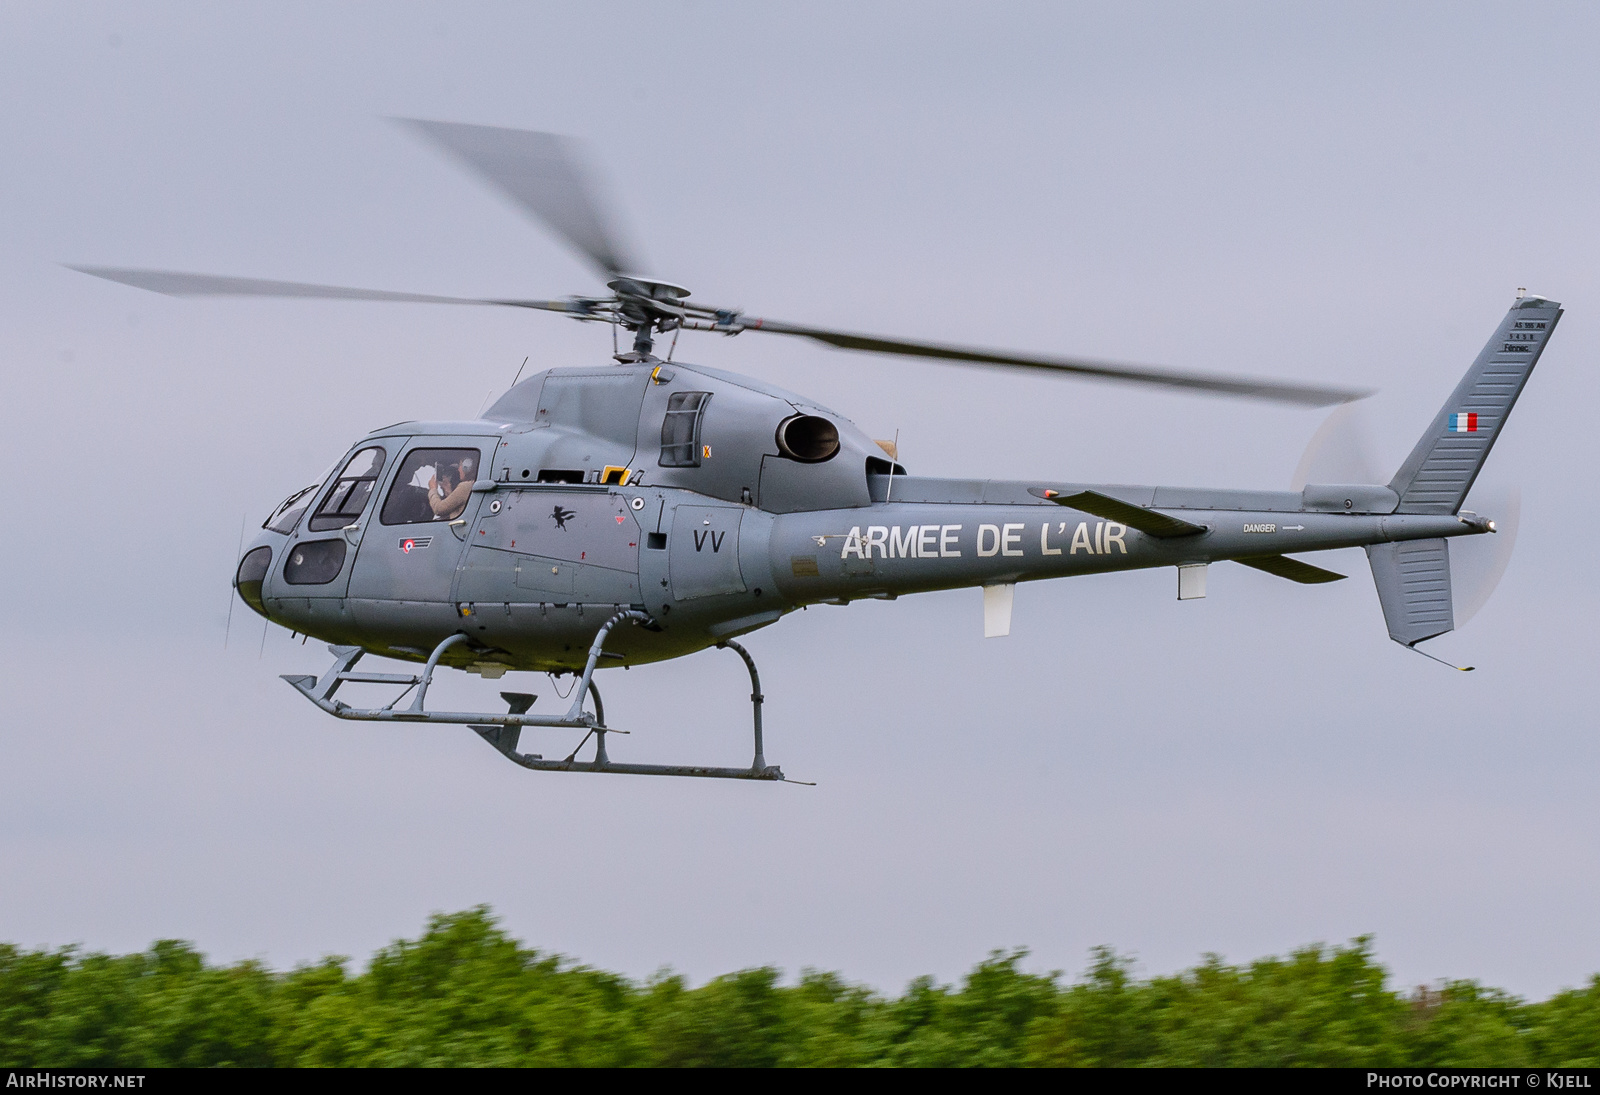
1348,194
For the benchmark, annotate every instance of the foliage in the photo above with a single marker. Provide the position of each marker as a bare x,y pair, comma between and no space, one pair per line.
465,993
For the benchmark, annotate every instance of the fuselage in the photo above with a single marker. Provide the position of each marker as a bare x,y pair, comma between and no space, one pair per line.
714,504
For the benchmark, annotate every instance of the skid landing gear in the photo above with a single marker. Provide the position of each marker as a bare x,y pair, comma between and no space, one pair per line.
504,731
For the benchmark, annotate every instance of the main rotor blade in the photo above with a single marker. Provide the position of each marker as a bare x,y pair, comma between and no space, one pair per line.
175,284
545,175
1305,395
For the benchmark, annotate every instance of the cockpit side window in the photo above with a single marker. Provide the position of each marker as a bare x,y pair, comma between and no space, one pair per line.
432,485
680,430
344,503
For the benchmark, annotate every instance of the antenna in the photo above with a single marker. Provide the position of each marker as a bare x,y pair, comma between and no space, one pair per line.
226,631
894,456
1441,661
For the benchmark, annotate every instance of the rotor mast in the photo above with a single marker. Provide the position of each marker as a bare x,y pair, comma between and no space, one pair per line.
644,306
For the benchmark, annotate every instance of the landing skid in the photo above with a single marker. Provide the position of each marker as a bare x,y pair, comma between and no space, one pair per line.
504,731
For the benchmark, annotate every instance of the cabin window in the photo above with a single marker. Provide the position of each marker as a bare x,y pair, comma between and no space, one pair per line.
432,485
344,503
680,430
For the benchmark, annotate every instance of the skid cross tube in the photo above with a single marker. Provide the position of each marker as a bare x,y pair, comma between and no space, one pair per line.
505,739
320,690
575,714
756,697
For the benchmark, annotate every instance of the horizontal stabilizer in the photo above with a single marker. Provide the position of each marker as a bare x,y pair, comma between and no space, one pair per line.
1292,569
1151,522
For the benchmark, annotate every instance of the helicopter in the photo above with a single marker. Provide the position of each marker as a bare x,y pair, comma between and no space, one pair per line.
647,508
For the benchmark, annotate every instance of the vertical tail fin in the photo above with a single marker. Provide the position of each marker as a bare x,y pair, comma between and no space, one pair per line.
1436,476
1413,580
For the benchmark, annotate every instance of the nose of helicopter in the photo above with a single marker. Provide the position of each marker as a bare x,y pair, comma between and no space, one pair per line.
251,573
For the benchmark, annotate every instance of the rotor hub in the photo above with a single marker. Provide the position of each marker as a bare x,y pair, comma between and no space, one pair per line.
628,285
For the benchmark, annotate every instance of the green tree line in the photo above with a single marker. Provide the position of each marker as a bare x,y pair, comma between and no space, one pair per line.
465,993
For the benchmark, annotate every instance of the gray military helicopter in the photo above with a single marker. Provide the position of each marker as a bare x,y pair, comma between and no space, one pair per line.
694,505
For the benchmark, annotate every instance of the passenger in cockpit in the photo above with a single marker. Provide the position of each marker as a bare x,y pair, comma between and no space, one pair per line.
432,485
450,487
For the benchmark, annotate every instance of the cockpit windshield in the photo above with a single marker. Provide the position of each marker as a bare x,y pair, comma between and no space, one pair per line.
432,485
287,515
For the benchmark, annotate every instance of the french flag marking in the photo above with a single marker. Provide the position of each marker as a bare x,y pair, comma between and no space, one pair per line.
1464,422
